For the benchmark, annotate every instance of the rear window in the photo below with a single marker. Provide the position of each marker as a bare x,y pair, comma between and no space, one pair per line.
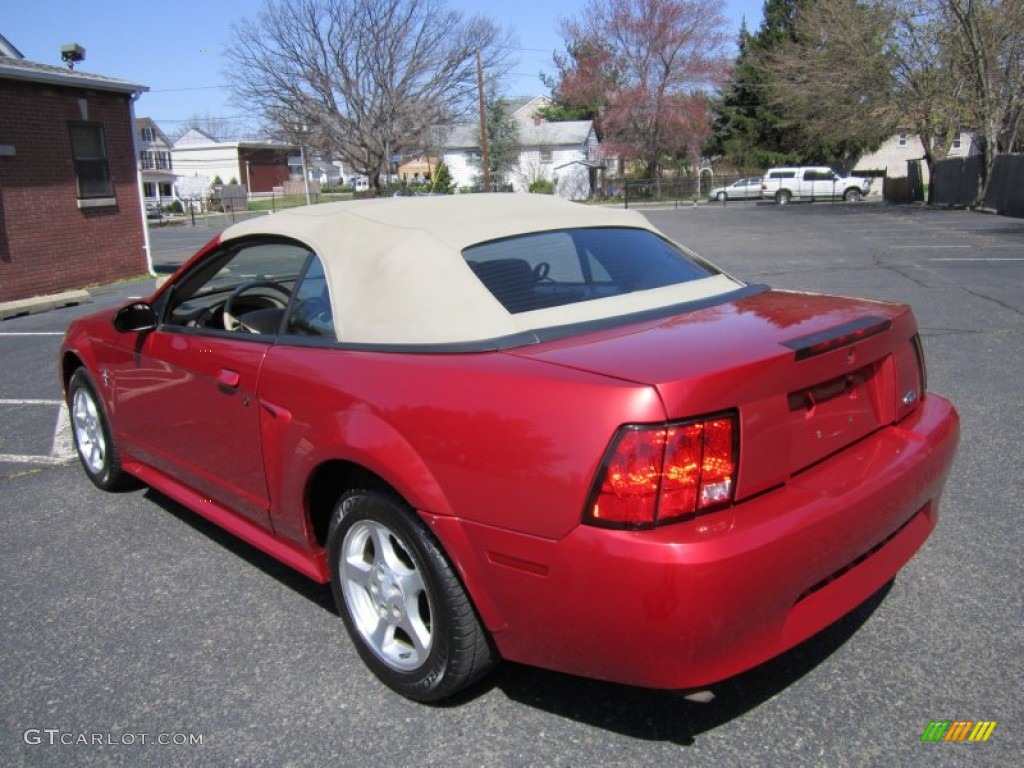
551,269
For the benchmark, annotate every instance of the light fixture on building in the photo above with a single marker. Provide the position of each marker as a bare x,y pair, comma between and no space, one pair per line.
71,54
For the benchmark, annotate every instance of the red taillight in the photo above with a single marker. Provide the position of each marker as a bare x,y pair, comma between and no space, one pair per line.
664,473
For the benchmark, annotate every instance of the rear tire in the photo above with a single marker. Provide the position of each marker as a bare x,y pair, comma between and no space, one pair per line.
783,196
90,429
403,605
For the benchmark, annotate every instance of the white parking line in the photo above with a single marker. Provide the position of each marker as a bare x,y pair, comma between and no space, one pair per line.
63,444
63,449
31,333
50,461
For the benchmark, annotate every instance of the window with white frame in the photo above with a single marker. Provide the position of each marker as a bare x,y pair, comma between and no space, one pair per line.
957,142
148,134
902,140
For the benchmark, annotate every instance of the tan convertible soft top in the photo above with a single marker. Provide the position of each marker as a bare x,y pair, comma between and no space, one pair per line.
397,276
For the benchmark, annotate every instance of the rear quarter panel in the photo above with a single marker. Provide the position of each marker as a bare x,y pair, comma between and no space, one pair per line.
490,437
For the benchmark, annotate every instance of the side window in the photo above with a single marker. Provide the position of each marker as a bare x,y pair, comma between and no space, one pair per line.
311,313
242,288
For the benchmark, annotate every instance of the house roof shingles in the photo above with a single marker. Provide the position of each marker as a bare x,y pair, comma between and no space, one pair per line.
545,134
32,71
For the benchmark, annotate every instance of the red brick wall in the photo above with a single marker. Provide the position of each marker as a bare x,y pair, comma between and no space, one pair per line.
47,244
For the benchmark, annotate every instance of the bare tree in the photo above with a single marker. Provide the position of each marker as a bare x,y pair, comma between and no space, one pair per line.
364,79
929,94
653,61
987,50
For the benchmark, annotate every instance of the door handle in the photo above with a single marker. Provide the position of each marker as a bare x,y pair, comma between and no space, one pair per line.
228,378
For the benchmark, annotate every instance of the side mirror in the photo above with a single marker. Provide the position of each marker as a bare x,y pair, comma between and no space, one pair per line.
135,318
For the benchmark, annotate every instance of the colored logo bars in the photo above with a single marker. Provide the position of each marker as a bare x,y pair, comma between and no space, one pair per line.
958,730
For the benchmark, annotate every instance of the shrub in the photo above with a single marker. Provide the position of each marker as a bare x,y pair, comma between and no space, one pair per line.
542,187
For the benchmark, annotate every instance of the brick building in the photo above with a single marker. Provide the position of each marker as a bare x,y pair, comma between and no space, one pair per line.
70,209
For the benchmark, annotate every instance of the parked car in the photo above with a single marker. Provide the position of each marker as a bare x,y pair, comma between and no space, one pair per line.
515,427
743,189
816,183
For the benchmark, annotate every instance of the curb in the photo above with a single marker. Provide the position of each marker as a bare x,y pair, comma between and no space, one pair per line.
36,304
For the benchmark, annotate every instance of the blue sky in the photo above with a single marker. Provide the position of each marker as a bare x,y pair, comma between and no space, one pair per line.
175,48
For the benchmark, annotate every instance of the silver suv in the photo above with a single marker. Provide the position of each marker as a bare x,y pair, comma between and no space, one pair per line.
812,183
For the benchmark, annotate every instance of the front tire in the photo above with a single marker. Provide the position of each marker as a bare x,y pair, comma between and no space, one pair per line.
853,196
403,605
722,197
90,429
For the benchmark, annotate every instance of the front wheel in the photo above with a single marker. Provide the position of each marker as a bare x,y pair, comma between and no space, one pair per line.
853,196
783,196
91,432
722,197
403,605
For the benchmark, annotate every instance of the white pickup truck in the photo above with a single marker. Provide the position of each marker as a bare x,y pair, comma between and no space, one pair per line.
812,183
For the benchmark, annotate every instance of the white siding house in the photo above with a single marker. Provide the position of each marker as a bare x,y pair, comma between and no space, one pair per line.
199,159
895,152
158,177
563,153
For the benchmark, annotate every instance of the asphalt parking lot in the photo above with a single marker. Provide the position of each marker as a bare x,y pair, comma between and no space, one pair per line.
129,621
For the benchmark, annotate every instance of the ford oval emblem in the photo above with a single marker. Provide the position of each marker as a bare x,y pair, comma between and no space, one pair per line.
910,398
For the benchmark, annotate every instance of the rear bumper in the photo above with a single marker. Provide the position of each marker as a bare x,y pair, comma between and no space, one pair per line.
691,604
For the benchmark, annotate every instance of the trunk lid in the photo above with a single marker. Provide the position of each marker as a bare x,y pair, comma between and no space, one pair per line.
808,374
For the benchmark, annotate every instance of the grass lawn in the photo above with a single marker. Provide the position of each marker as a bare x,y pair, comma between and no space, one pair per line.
294,201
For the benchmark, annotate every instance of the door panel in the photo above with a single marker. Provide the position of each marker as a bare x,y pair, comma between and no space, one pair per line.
186,404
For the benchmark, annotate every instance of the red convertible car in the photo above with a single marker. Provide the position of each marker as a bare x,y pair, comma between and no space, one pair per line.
505,426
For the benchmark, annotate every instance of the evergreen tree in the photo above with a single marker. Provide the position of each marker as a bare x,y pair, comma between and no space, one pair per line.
502,138
442,182
747,129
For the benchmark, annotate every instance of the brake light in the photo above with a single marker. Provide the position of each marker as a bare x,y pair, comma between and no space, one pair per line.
655,474
836,338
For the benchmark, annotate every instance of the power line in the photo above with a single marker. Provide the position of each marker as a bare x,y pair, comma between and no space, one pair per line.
202,118
190,88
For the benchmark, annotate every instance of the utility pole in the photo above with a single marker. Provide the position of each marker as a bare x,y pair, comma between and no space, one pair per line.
485,159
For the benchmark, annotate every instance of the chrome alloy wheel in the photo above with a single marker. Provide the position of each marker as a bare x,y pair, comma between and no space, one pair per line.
386,595
87,423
